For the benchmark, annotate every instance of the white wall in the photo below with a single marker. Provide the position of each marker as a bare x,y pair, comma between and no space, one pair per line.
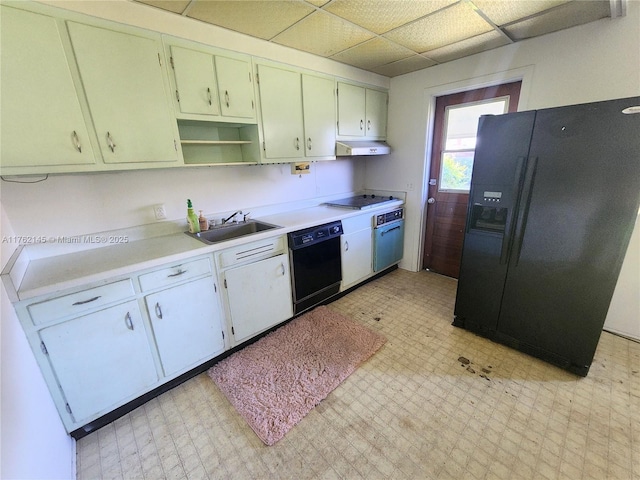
33,441
596,61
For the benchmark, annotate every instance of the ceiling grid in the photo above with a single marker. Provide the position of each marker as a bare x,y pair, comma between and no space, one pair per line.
393,37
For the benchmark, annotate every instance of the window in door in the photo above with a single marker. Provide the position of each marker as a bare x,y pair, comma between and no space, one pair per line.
459,139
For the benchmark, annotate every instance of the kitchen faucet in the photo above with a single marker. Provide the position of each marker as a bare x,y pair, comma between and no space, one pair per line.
231,216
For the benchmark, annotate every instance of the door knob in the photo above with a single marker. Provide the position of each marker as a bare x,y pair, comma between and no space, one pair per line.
431,200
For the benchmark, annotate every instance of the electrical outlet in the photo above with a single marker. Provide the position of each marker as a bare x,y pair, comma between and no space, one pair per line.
410,187
160,212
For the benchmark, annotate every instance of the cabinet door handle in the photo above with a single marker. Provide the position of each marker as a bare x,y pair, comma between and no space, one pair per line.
158,311
284,270
128,321
177,274
209,95
368,124
111,143
309,143
76,141
82,302
346,246
297,143
390,230
361,125
226,97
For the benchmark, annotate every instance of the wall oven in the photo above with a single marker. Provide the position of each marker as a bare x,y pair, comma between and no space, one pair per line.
316,270
388,239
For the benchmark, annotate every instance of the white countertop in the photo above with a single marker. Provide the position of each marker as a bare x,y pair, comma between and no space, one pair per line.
50,275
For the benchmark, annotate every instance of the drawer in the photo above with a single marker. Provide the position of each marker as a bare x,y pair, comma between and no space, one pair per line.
80,302
250,252
174,274
355,224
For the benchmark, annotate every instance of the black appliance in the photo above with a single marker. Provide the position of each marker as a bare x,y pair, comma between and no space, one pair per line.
361,202
553,201
316,270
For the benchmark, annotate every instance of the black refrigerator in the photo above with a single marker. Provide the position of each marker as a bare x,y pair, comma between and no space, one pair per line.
553,202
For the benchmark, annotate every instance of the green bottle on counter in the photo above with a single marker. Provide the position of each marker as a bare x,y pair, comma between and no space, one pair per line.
192,218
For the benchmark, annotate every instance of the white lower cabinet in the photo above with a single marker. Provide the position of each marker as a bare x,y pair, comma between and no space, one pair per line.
100,360
186,324
259,296
357,250
257,286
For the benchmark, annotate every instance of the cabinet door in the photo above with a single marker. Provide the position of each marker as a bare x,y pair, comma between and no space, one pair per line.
123,80
319,116
281,106
376,113
356,256
186,324
42,121
101,360
259,296
351,110
195,81
235,87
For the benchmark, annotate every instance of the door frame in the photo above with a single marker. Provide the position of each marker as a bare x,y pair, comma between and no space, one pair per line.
523,74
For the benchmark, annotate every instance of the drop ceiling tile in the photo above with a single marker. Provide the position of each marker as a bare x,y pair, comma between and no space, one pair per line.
322,34
380,16
263,19
469,46
566,16
442,28
403,66
377,51
175,6
501,11
318,3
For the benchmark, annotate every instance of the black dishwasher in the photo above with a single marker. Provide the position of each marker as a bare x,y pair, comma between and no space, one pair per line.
316,270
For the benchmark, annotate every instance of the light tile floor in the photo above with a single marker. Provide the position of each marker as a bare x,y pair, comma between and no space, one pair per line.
413,411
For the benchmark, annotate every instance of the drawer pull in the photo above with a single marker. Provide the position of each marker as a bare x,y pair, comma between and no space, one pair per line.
82,302
128,322
177,274
158,311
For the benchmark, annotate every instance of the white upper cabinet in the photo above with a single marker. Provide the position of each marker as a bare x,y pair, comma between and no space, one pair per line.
362,112
123,79
235,86
196,89
281,109
43,126
376,113
210,84
318,95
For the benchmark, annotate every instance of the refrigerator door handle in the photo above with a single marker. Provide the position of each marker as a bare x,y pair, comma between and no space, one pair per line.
521,224
509,227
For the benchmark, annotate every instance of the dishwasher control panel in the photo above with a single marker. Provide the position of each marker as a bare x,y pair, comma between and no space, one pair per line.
388,217
312,235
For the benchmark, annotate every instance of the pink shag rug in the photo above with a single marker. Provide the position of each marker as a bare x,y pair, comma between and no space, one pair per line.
276,381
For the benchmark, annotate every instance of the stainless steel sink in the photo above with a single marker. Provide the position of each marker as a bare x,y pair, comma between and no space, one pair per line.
230,231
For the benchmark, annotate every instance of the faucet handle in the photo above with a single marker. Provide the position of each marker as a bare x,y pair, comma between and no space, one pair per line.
245,216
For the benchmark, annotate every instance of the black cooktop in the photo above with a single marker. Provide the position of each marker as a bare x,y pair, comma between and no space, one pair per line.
361,202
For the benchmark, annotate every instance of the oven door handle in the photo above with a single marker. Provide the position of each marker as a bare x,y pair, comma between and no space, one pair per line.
397,227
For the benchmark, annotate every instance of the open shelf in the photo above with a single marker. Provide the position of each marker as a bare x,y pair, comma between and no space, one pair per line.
211,143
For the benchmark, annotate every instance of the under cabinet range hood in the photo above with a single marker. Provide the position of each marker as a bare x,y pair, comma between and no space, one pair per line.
350,149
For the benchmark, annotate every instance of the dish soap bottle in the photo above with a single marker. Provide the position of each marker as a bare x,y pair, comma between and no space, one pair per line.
204,223
194,225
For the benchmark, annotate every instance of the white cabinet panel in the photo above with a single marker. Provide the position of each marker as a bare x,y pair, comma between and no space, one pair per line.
42,120
235,87
196,89
351,110
100,359
187,325
123,79
357,250
281,107
319,116
259,296
376,113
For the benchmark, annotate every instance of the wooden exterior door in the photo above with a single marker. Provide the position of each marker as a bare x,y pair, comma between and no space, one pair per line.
451,165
